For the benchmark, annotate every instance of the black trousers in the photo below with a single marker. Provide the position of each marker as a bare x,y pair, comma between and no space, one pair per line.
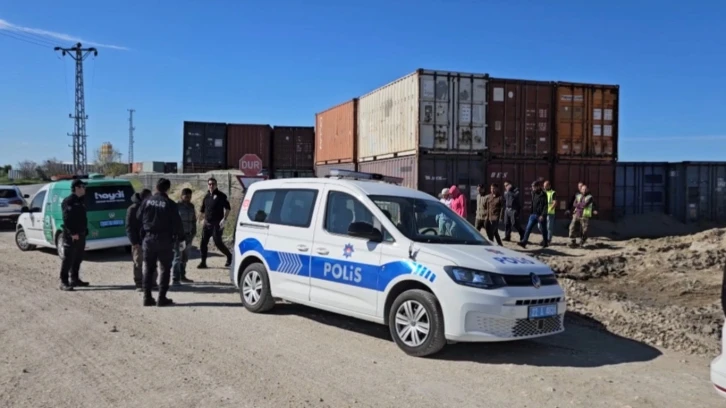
492,228
157,250
214,232
511,220
73,256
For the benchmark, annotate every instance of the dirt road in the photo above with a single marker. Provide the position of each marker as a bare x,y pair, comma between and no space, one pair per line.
97,347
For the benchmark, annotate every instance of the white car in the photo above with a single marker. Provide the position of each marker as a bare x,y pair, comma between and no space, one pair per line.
718,365
12,200
358,245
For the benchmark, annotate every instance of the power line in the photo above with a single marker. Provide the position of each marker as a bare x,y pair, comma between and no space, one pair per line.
131,137
80,156
26,39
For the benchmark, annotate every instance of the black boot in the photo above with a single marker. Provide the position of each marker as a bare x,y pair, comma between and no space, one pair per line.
164,301
79,283
229,262
148,299
139,287
202,265
65,286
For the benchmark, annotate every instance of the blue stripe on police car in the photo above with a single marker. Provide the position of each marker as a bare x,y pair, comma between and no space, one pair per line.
373,277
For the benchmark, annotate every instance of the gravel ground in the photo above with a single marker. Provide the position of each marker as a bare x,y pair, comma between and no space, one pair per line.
97,347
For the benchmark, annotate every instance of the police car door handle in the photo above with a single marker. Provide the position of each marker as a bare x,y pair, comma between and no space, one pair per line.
322,251
302,248
260,226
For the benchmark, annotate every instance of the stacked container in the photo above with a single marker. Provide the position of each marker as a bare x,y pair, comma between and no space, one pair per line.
586,142
249,139
293,149
204,146
335,138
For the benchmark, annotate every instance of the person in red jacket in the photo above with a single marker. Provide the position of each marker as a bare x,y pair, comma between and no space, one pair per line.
458,201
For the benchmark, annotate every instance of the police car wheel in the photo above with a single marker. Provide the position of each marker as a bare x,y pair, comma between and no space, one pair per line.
59,246
416,323
254,289
21,240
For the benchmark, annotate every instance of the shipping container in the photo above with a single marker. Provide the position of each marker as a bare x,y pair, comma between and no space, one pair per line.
599,176
136,167
193,141
424,111
200,168
587,121
520,119
323,170
290,173
640,188
697,191
249,139
215,145
335,133
521,173
431,173
171,167
293,147
152,167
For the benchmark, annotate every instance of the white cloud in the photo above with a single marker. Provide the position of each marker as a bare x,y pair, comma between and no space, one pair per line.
7,26
673,138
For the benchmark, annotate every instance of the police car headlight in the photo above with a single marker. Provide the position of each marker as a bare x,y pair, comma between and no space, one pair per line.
474,278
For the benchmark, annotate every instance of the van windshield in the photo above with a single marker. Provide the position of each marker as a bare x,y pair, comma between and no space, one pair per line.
428,221
107,198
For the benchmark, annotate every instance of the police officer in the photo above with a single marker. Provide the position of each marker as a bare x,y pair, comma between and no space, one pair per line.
75,230
215,208
161,229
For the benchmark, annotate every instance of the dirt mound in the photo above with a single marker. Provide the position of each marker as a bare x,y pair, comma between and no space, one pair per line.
663,291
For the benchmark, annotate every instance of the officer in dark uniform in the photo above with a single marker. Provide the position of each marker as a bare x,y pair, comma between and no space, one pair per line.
161,229
215,208
75,230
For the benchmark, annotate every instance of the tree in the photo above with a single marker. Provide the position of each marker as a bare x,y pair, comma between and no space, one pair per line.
54,167
110,165
27,169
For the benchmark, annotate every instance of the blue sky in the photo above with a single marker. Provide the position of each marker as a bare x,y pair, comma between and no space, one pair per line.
279,62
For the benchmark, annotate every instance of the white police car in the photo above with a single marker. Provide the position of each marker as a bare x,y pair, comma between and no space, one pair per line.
376,251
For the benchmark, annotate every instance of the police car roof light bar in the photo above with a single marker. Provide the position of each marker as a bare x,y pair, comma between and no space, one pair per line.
358,175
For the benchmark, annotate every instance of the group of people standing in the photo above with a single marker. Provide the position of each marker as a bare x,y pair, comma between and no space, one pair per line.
159,229
494,207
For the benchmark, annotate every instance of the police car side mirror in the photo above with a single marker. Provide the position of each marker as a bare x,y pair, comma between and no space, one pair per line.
26,195
25,209
365,230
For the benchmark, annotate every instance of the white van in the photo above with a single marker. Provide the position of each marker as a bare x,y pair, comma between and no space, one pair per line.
358,245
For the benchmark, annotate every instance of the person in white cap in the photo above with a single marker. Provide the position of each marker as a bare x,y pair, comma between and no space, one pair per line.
443,220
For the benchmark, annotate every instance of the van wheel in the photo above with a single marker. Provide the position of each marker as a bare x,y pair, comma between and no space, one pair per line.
416,323
254,289
21,240
59,246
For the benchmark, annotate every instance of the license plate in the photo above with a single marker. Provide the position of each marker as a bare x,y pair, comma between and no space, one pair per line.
542,311
111,223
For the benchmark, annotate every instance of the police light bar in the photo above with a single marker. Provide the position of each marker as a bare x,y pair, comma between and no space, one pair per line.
358,175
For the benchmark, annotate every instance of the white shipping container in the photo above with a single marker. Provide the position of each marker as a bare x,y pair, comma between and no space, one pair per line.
425,110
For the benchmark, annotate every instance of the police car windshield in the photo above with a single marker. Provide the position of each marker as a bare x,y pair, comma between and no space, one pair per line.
107,198
428,221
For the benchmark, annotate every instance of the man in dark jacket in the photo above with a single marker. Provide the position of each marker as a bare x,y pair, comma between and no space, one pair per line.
161,229
215,208
75,230
181,252
511,211
133,232
538,215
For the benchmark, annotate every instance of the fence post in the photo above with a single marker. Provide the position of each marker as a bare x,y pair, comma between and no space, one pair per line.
229,185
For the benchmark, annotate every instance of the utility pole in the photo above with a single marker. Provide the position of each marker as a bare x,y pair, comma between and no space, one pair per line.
131,138
80,156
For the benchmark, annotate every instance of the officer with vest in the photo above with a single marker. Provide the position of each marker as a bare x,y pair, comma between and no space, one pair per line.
551,207
75,230
581,214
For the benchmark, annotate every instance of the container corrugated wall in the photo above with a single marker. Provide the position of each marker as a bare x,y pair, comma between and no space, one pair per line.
322,170
335,134
640,188
697,191
597,175
152,167
520,119
521,173
249,139
292,147
587,121
423,111
215,144
193,140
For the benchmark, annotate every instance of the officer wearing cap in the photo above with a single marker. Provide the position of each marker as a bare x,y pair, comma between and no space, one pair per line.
75,230
161,230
